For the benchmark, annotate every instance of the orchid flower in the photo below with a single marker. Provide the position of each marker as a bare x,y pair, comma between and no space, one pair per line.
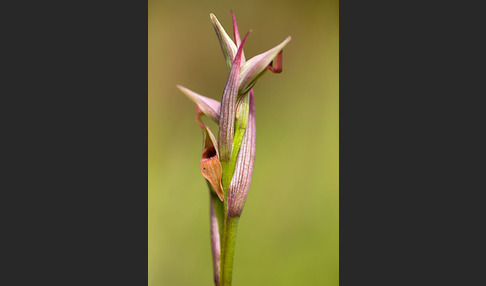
227,163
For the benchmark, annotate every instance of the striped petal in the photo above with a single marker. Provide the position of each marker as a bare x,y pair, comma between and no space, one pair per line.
240,184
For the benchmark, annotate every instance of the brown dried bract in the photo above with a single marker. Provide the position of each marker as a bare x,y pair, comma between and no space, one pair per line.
211,167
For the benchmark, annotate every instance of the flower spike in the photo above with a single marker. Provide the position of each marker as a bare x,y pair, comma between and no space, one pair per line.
227,163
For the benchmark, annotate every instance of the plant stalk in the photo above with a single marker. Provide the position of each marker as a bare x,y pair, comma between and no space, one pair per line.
228,249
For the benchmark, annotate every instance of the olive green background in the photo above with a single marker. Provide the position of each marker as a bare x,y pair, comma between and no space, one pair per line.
289,230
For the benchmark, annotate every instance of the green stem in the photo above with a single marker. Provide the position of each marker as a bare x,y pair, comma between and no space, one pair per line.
228,250
230,225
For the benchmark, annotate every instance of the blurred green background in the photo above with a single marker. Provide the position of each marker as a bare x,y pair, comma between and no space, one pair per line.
289,230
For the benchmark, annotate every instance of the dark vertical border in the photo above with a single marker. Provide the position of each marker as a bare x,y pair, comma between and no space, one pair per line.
376,189
117,212
408,128
357,224
75,194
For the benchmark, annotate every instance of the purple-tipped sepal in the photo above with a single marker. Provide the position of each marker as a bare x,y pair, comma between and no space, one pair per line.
236,37
228,108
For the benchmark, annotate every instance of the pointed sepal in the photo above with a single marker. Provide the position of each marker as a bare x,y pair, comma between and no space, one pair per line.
208,106
227,45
